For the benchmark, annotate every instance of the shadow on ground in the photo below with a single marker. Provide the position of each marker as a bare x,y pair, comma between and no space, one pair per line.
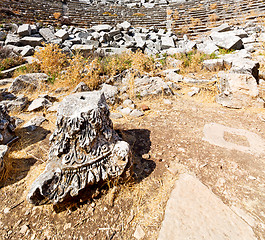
17,168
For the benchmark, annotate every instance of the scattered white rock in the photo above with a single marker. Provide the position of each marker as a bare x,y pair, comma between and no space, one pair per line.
139,233
136,113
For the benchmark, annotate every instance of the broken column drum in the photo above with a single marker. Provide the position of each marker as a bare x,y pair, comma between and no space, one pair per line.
85,150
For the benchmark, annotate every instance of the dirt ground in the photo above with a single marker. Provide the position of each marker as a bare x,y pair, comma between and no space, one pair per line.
167,141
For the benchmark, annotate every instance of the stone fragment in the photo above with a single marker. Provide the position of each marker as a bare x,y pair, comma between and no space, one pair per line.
2,36
167,101
27,82
39,104
240,33
194,212
207,47
102,27
194,91
17,104
127,102
85,50
54,107
222,28
3,151
33,123
47,34
12,39
27,51
237,90
238,83
24,229
140,43
145,107
62,34
114,32
85,150
110,92
125,111
31,41
139,233
115,115
7,127
167,42
24,30
213,64
136,113
6,210
151,86
124,26
227,40
81,87
174,77
34,29
245,66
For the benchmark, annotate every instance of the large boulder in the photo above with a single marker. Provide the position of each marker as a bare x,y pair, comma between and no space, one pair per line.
27,82
12,39
151,86
31,41
47,34
237,90
63,34
85,150
24,30
226,40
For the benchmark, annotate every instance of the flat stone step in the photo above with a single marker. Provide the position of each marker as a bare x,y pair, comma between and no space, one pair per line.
194,212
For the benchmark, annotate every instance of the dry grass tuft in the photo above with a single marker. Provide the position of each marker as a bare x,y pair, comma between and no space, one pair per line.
213,6
57,15
51,60
138,15
192,61
213,17
195,22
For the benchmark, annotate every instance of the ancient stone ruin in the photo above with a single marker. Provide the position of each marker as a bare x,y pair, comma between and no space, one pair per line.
85,150
7,135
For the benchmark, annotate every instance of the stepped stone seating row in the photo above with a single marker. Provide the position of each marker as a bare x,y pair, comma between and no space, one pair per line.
196,15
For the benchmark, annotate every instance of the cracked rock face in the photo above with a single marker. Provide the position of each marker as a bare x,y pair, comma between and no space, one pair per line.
85,150
7,127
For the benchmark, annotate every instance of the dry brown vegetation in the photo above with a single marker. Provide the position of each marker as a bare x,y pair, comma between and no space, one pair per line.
213,17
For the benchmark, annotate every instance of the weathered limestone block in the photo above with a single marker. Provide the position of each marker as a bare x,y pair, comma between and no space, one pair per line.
238,90
85,150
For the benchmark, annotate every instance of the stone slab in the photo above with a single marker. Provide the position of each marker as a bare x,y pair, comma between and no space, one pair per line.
214,134
194,212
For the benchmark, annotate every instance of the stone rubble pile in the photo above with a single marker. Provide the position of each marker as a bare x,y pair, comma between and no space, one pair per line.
26,39
238,87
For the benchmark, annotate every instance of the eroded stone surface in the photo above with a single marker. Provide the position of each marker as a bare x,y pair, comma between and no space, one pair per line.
194,212
214,134
85,150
